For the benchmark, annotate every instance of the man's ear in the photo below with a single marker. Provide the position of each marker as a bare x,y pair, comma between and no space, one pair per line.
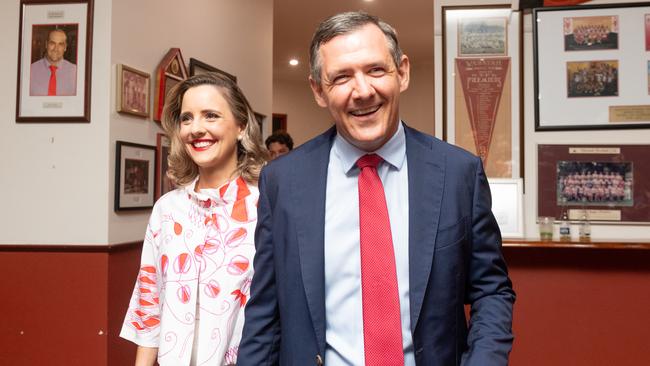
404,72
318,92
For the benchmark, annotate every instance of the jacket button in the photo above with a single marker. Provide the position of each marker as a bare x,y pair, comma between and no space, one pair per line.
319,360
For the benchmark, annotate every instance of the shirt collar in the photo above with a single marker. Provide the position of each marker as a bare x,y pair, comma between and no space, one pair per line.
231,191
393,151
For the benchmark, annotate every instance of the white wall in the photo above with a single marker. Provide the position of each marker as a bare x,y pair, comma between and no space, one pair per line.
532,138
54,175
232,35
57,178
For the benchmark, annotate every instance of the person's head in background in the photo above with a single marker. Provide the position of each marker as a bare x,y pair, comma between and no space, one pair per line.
279,144
213,132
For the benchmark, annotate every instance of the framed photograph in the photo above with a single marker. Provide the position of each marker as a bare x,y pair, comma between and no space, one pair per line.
198,67
482,89
54,61
608,183
163,183
133,91
170,71
508,206
588,61
134,176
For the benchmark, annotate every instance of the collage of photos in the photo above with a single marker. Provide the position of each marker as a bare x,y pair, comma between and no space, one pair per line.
592,78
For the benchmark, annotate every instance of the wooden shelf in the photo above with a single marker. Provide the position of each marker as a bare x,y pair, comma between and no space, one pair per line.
594,244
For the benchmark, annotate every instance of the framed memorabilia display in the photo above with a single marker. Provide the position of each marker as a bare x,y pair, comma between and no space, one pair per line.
170,71
508,205
607,183
54,61
197,67
482,78
133,91
134,176
163,183
588,63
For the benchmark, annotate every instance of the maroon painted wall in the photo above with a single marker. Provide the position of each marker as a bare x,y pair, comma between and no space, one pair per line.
580,306
574,306
53,308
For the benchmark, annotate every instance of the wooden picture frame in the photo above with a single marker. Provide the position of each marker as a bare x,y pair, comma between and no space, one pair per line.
199,67
588,61
134,176
55,33
170,71
163,183
610,182
133,88
482,85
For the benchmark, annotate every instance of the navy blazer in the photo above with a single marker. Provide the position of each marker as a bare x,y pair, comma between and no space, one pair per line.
454,259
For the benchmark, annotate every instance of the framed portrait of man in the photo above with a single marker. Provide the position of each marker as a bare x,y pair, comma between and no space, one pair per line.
54,61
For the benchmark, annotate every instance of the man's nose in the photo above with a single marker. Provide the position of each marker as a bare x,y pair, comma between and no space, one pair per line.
363,88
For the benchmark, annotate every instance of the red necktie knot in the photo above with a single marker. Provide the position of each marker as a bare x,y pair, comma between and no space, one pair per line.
53,69
369,160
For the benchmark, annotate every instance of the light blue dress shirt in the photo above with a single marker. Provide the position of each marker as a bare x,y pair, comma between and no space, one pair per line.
343,305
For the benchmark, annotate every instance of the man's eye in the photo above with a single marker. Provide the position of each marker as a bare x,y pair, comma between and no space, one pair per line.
340,79
377,71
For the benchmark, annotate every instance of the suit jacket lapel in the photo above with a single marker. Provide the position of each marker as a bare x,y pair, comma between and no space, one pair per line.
309,185
426,171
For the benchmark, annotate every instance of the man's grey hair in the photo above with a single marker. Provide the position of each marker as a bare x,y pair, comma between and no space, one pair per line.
344,23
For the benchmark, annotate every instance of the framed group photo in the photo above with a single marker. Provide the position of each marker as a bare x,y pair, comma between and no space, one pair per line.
133,91
482,89
606,183
54,61
592,70
135,166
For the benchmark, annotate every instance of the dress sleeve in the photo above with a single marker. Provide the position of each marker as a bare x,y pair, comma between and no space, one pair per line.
142,321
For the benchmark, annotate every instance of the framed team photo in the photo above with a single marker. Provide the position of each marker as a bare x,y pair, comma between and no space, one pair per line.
587,63
134,176
54,61
482,95
607,183
591,33
592,78
482,36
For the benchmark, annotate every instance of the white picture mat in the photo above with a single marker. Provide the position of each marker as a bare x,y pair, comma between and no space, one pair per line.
508,206
555,107
53,106
451,44
137,199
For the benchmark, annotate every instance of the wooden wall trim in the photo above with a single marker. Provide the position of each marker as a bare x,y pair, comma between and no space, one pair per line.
70,248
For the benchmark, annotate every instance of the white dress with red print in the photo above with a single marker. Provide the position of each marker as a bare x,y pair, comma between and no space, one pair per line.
197,256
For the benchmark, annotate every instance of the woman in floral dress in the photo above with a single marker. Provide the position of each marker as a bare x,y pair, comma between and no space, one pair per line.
188,303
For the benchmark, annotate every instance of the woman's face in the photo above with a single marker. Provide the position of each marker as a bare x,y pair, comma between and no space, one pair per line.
209,131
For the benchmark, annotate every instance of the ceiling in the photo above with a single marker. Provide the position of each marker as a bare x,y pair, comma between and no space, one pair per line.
294,22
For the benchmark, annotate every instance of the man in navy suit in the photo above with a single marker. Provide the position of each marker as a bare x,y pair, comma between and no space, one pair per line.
307,304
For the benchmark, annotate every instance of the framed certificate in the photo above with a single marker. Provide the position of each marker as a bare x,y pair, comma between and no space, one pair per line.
508,206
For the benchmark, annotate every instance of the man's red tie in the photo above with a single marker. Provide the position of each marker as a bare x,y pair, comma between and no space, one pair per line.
51,87
382,326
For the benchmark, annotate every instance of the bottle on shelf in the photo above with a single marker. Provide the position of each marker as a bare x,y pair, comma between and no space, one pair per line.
584,231
565,227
